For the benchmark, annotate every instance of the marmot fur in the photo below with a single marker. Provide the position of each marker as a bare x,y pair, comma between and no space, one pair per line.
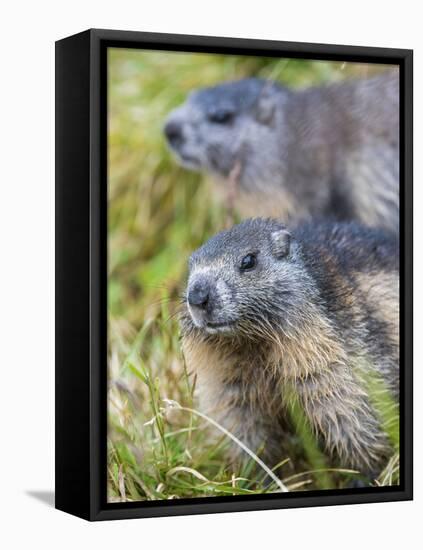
330,151
270,313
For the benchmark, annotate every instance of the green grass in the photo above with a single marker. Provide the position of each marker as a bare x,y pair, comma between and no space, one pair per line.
158,214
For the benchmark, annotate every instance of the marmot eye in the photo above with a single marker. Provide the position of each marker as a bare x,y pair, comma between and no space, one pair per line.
220,116
248,262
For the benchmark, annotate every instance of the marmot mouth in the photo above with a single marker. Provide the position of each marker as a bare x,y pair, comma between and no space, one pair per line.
218,325
215,325
189,160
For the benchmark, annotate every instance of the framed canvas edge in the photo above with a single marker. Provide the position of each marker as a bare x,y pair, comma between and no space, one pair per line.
99,509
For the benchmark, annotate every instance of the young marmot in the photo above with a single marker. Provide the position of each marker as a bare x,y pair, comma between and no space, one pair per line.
269,313
329,151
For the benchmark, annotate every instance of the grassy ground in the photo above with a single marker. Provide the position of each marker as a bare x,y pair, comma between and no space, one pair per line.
158,214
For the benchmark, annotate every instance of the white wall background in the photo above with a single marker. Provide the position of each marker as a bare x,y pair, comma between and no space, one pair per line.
28,32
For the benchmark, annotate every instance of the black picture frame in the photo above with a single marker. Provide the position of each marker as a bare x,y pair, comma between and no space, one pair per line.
81,274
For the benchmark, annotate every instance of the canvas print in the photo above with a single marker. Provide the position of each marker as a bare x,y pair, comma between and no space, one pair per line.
253,275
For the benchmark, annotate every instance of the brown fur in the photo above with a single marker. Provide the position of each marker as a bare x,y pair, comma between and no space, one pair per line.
241,388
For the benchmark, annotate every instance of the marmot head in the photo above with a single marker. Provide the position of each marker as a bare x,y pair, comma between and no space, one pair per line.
247,281
233,122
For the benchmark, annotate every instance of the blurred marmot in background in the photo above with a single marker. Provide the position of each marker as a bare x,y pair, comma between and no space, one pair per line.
330,151
271,314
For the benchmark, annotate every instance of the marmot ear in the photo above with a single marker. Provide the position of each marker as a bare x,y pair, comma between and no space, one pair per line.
265,108
280,243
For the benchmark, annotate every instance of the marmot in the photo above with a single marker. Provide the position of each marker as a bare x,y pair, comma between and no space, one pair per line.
330,151
270,312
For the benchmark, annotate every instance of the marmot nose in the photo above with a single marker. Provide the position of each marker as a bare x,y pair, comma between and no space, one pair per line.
199,294
173,131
